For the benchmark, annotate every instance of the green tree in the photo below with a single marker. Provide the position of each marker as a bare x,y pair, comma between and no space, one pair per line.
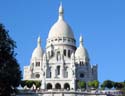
37,84
108,84
10,74
82,84
29,83
118,85
96,84
93,84
102,87
23,83
90,84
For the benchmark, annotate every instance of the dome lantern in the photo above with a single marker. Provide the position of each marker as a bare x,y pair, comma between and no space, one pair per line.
81,41
61,11
39,41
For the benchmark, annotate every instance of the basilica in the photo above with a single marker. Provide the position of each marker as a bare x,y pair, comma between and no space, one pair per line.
62,64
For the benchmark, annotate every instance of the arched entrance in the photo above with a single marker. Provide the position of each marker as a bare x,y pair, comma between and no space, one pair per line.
66,86
57,86
49,86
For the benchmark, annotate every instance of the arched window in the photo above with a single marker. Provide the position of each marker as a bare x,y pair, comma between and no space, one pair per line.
69,53
66,86
58,70
58,56
81,63
37,64
52,53
58,86
64,52
50,72
49,86
66,72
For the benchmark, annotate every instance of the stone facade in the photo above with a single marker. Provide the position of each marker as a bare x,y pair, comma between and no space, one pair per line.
62,64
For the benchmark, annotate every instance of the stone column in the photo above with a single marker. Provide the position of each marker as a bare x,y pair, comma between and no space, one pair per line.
53,72
73,84
61,72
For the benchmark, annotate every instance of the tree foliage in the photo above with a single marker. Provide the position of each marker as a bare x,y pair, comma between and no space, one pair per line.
108,84
30,83
23,83
37,84
118,85
102,87
82,84
10,74
93,84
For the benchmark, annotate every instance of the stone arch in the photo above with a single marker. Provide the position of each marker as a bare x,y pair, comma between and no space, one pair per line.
66,86
57,86
49,86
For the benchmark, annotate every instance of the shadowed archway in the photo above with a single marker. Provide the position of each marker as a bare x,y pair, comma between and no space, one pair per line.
58,86
49,86
66,86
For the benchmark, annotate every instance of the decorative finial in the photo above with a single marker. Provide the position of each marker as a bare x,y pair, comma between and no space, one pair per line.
61,11
38,41
81,40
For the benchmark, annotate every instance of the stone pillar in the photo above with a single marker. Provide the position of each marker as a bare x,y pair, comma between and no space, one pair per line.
61,72
73,84
53,72
43,84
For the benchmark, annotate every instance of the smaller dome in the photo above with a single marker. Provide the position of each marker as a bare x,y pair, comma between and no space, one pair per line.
38,51
81,52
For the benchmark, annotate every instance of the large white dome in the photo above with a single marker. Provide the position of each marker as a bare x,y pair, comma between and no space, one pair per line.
38,51
60,28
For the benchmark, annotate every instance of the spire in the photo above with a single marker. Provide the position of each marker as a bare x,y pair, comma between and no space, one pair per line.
38,41
81,41
61,11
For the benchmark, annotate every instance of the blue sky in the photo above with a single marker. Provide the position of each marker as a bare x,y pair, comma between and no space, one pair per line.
100,22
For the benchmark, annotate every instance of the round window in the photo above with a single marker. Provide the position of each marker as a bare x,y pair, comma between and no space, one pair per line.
37,75
81,75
